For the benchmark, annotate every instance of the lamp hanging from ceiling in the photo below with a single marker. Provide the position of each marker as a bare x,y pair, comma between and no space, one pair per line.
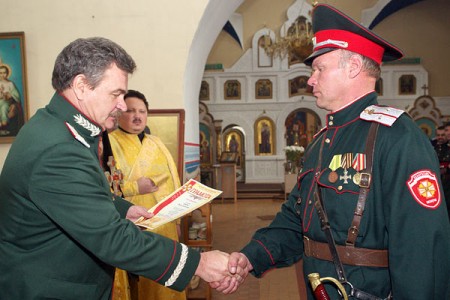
296,41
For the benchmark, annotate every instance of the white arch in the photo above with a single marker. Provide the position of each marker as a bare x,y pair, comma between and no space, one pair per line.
215,16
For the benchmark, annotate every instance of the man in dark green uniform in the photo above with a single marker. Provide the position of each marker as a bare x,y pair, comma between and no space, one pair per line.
61,230
386,211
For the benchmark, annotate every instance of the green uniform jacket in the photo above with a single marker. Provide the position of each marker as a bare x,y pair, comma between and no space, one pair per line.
61,233
417,237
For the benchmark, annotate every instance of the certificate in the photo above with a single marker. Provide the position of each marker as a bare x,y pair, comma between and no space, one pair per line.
182,201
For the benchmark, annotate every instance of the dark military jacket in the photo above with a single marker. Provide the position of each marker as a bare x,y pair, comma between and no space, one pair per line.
405,210
61,232
443,152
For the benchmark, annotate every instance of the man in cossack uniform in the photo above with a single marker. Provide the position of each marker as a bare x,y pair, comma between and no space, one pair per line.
378,191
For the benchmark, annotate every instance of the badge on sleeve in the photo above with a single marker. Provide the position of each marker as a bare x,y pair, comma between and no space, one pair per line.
425,189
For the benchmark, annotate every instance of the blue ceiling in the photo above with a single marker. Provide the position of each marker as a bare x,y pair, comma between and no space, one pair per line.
390,8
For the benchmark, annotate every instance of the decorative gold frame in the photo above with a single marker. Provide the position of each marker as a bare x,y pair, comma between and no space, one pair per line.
264,124
228,157
204,91
299,86
239,142
407,85
168,125
232,90
263,89
206,145
12,57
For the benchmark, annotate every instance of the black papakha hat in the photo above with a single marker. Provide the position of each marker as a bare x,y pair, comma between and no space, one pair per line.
334,30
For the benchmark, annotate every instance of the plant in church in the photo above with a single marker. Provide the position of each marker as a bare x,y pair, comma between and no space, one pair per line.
294,153
293,156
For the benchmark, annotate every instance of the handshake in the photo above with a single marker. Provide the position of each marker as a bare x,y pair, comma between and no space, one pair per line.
224,272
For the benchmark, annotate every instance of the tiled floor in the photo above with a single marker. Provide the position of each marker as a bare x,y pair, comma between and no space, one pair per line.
233,226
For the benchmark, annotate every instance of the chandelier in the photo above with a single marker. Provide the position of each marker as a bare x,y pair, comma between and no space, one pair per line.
297,41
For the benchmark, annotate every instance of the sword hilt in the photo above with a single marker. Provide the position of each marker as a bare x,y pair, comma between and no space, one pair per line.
319,289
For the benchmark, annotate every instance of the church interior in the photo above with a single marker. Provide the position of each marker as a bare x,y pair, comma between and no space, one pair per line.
258,104
225,83
240,113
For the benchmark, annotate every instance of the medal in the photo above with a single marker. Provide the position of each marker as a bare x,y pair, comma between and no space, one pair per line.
334,165
357,178
359,162
346,163
347,160
333,177
335,162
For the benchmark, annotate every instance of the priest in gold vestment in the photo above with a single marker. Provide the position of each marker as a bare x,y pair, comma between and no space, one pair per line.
149,175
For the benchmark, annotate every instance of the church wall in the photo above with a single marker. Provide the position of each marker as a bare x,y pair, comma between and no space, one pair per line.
420,30
159,37
245,110
156,34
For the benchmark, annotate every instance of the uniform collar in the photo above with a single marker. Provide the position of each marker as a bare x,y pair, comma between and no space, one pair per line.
351,112
77,122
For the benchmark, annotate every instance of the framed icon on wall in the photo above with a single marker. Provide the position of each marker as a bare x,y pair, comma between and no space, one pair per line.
232,90
13,85
263,89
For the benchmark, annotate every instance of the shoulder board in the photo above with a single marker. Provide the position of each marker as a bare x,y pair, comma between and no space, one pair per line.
381,114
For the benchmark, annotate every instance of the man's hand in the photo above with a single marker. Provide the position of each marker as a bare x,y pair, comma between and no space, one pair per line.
146,185
222,274
135,212
238,266
238,262
213,267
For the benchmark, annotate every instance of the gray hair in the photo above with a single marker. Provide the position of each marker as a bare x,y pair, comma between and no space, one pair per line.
90,57
371,67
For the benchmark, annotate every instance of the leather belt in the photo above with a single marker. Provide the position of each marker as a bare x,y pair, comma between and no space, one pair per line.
349,255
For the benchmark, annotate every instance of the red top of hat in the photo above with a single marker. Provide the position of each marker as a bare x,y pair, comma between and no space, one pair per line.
335,30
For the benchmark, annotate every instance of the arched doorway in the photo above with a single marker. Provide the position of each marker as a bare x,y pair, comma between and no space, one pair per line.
234,141
301,126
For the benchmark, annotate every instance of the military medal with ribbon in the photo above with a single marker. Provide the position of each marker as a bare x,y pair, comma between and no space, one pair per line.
346,163
334,165
359,163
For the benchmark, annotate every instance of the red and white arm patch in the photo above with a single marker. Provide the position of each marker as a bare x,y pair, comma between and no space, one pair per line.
424,187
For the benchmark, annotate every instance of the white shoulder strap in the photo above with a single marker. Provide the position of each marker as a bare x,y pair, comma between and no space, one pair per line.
381,114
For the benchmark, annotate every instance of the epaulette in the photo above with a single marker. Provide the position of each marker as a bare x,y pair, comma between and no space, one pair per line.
385,115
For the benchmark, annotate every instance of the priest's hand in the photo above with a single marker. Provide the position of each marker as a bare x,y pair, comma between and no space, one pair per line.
146,185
